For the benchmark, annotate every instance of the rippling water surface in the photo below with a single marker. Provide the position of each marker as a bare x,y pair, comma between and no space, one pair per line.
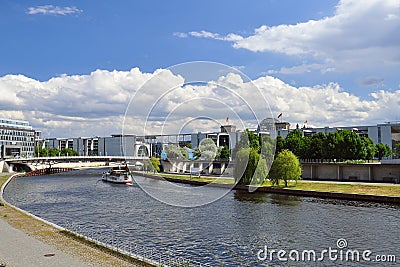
228,232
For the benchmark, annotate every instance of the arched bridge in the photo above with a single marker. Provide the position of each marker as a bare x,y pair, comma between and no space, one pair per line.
29,164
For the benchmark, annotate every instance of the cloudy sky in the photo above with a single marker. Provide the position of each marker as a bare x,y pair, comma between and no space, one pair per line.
72,67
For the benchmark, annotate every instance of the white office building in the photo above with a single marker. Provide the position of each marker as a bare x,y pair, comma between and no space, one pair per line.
17,138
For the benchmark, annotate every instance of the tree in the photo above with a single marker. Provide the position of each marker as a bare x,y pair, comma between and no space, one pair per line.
369,148
396,150
383,151
286,167
296,143
207,148
318,146
175,152
249,167
345,144
68,152
280,144
247,140
155,162
268,146
225,153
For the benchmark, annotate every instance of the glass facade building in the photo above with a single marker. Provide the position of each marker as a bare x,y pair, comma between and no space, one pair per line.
17,138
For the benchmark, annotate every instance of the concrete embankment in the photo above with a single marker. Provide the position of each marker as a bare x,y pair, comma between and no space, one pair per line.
272,190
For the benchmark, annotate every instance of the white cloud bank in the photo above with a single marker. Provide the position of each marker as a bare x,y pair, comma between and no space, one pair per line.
360,34
94,104
53,10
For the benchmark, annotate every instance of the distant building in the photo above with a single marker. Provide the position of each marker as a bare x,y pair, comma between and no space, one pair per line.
114,145
17,138
386,133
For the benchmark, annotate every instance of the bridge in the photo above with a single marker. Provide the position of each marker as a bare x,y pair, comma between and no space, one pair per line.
29,164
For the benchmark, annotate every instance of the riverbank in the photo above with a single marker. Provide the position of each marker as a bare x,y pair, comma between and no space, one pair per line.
34,241
385,193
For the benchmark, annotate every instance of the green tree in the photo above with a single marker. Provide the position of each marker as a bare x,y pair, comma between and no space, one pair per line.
249,167
396,149
296,143
247,140
369,148
280,144
175,152
383,151
208,150
67,152
225,153
318,146
286,167
345,144
155,162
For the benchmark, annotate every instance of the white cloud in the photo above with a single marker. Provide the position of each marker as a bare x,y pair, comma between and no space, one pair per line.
95,104
53,10
361,34
180,34
205,34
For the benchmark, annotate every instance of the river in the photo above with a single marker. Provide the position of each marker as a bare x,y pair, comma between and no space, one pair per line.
233,231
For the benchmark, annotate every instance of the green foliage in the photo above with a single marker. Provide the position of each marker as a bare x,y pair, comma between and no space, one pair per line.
396,149
369,148
248,140
68,152
267,147
155,162
189,145
318,146
341,145
175,152
249,168
383,151
296,143
208,150
224,153
286,167
54,152
280,144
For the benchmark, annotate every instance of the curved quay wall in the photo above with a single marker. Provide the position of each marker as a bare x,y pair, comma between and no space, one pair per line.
88,239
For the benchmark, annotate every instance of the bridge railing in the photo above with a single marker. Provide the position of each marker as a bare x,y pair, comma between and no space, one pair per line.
71,158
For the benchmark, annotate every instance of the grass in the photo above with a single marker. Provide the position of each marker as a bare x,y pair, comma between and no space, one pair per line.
206,179
362,189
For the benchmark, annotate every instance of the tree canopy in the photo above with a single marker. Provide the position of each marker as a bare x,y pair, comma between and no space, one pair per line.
341,145
250,168
286,167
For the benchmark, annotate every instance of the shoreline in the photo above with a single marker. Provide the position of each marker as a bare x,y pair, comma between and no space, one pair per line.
58,238
284,191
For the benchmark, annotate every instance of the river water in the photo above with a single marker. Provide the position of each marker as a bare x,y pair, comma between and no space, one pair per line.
227,232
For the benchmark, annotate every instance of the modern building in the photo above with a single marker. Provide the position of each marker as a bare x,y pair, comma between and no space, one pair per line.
114,145
17,138
387,133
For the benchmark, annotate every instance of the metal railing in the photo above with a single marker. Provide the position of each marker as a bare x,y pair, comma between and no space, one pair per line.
132,249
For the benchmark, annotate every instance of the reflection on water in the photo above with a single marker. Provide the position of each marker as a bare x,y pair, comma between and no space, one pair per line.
228,232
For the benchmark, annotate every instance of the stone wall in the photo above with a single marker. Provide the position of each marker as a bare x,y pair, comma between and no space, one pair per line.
352,172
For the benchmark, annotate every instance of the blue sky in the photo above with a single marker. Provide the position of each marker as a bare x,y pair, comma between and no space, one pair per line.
130,34
349,45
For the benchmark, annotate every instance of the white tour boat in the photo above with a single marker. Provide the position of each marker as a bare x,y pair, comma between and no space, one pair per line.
118,175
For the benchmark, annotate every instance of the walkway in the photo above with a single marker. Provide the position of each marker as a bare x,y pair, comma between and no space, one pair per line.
19,249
